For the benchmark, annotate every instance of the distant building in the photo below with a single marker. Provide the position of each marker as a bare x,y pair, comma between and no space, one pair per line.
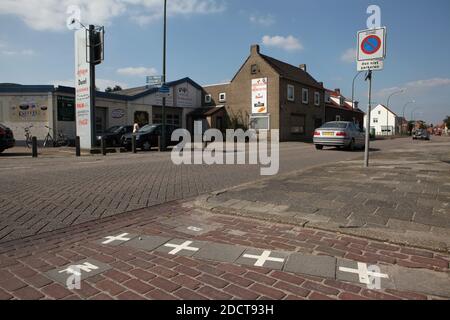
383,121
339,108
48,106
268,94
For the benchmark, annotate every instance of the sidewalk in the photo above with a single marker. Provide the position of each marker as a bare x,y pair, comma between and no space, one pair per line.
403,198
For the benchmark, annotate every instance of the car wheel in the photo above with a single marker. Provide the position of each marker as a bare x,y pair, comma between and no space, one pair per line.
351,146
319,147
147,146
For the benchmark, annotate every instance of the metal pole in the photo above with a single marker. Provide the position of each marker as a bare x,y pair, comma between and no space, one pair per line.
387,111
77,147
163,133
369,111
353,89
34,147
92,81
133,143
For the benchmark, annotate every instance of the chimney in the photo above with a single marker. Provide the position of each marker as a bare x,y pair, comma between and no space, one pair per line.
254,49
338,91
355,104
303,67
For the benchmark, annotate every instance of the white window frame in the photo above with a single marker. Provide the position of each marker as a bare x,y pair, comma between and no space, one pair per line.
291,87
222,97
208,98
338,118
307,96
317,99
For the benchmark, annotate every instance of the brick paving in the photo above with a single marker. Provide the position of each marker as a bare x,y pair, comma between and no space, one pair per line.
46,194
140,274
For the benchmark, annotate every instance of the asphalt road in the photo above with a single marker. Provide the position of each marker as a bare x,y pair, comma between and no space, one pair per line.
49,193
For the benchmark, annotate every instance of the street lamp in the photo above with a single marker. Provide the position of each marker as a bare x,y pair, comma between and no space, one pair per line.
412,113
387,106
404,109
163,134
353,88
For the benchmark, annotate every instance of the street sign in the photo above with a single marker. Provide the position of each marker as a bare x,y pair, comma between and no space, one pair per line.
374,65
164,89
154,81
372,44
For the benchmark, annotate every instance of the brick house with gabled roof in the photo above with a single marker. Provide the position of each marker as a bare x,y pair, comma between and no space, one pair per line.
339,108
287,97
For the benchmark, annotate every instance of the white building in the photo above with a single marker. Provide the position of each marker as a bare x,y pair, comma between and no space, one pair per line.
383,121
48,106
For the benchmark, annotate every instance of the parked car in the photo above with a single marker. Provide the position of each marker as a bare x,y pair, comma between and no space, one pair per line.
113,136
339,134
147,137
421,134
6,138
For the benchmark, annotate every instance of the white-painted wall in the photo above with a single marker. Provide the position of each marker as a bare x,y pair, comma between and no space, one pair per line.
380,118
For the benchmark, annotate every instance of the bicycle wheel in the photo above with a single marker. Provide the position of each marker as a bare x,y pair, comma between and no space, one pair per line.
28,142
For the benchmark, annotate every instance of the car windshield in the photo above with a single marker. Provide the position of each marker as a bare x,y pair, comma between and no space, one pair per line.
114,129
147,128
334,125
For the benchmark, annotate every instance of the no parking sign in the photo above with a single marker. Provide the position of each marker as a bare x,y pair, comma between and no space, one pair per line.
372,44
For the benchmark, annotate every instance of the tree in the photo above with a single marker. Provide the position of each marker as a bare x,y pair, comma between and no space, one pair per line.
447,122
109,89
116,88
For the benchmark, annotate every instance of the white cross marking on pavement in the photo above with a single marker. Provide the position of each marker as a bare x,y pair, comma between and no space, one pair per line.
364,274
116,238
76,270
181,247
195,229
261,260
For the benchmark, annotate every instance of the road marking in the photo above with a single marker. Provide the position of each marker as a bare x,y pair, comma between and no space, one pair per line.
263,258
364,274
120,237
181,247
195,229
76,269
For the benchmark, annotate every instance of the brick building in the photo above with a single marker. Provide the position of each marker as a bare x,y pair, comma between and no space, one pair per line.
339,108
268,94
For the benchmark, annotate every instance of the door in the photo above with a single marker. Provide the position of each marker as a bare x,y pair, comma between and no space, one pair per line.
100,120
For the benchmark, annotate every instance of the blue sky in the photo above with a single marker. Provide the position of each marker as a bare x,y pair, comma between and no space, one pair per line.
210,39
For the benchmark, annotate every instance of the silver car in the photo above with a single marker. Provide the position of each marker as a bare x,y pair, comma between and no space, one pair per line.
339,134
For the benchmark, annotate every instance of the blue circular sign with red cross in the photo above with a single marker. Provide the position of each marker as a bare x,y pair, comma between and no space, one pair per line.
371,44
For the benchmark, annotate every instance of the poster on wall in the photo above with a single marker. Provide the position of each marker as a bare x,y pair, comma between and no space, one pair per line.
29,109
184,96
259,96
82,86
66,109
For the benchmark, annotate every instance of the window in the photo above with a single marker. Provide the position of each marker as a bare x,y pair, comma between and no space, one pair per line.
208,98
338,118
254,69
290,92
317,99
327,97
379,112
222,97
375,120
259,123
305,96
157,118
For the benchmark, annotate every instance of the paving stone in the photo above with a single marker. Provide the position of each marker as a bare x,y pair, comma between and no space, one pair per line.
60,275
148,243
276,265
191,245
219,252
321,266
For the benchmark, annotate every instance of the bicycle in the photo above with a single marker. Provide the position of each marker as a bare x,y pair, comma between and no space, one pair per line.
61,140
28,137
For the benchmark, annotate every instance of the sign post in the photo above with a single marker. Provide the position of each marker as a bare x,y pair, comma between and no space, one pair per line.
371,54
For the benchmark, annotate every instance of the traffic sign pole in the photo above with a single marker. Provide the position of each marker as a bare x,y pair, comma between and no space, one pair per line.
369,111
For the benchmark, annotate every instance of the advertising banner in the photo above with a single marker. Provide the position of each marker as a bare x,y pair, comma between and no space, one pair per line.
259,96
83,106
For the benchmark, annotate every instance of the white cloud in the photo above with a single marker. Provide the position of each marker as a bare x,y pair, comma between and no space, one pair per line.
349,56
137,71
51,14
25,52
263,20
101,84
417,86
289,43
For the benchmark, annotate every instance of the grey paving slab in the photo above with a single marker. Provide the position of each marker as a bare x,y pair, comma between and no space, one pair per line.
421,280
263,258
86,268
148,243
321,266
220,252
117,239
181,247
349,271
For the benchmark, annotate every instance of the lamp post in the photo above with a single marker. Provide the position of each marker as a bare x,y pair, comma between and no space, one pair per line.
163,133
353,88
404,109
387,106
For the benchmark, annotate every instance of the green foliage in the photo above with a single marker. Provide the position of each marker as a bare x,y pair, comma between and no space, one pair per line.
237,121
